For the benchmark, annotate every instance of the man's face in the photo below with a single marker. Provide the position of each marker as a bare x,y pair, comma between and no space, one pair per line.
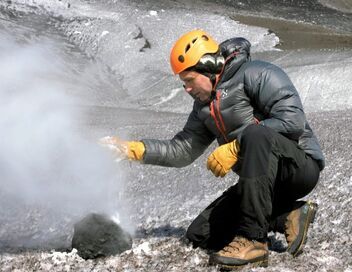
197,85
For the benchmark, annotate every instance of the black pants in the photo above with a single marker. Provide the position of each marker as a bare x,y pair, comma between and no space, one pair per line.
273,173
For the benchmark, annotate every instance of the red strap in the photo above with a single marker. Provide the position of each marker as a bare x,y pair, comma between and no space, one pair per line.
220,126
220,116
212,113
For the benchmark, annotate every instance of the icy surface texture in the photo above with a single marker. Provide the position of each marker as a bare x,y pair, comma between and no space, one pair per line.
134,42
323,78
113,54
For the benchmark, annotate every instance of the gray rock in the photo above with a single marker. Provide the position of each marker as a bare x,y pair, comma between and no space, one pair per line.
97,235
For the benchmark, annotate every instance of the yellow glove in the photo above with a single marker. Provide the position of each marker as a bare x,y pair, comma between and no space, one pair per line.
223,158
131,150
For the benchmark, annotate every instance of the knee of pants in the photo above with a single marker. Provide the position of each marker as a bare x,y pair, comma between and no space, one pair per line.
255,134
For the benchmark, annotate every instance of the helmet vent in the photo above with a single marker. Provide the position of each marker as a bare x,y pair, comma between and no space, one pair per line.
181,58
187,48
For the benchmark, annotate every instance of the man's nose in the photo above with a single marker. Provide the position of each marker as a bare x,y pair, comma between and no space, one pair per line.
187,89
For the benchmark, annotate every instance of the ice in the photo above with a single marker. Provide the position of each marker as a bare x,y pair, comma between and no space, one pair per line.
153,13
60,257
137,46
131,42
143,248
322,78
172,94
105,32
342,5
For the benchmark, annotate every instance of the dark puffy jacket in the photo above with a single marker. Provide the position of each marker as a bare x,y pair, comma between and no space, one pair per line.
247,92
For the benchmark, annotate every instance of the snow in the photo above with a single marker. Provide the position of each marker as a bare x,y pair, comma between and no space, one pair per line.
172,95
143,248
129,32
153,13
96,57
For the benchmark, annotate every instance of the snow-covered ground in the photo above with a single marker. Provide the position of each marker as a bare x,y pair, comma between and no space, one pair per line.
74,71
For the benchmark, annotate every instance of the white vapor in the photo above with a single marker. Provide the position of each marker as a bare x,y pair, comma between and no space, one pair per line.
50,175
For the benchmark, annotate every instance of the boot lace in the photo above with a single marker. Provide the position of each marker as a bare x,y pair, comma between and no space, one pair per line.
236,244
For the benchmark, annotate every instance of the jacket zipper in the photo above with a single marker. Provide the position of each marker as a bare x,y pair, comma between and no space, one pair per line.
220,123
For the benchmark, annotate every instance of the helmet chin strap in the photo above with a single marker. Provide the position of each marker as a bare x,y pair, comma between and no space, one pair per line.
212,95
212,78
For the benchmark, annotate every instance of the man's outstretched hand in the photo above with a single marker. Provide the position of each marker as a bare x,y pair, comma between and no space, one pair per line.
123,150
223,158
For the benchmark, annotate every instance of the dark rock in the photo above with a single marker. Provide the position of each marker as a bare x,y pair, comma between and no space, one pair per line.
97,235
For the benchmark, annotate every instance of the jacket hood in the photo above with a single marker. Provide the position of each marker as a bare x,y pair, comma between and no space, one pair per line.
236,51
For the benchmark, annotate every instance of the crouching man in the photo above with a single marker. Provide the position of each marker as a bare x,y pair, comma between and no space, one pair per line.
255,113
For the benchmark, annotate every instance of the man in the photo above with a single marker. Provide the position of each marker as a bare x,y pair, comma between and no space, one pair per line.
254,112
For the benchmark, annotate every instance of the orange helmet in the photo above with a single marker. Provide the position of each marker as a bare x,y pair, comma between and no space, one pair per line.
188,50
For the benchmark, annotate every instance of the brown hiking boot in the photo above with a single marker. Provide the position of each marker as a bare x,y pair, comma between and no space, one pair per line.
296,227
240,252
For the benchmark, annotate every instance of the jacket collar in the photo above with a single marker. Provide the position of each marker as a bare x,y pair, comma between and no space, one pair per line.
236,51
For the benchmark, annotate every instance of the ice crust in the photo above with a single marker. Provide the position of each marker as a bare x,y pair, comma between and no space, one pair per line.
127,73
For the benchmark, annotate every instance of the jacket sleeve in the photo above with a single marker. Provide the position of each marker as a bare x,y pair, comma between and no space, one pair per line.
277,100
183,148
